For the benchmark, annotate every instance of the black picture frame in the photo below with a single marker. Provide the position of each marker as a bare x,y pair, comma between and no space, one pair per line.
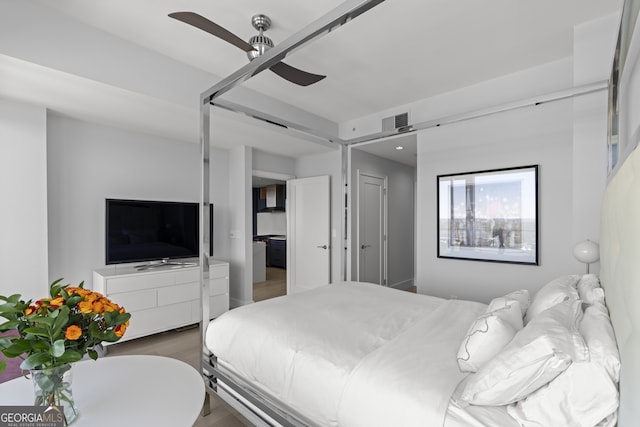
489,215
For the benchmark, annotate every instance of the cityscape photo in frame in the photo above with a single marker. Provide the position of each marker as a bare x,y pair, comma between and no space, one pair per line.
489,215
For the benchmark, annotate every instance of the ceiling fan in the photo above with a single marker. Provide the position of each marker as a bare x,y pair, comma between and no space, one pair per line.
256,46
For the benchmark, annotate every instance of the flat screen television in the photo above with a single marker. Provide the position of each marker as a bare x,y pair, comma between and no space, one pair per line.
143,230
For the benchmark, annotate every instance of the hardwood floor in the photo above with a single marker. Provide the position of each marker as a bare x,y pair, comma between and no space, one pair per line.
274,286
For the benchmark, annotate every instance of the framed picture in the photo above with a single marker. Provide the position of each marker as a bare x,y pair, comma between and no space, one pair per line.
489,215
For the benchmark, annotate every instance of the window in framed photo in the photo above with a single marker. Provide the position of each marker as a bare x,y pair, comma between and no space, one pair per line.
489,215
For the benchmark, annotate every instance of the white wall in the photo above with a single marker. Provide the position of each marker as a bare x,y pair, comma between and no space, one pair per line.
23,191
400,215
273,163
539,135
88,163
240,227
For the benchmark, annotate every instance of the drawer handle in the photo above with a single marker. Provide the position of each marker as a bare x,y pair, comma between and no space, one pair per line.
323,247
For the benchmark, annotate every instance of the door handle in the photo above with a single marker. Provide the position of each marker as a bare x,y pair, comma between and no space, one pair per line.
365,246
323,247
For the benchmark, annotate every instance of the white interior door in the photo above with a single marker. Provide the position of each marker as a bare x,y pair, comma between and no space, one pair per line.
308,236
372,228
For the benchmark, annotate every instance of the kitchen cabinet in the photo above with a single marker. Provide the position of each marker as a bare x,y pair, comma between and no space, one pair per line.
278,252
259,262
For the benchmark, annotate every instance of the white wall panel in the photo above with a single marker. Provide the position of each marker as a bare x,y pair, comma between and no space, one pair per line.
23,191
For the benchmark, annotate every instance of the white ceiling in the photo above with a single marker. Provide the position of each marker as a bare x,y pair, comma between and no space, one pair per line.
397,53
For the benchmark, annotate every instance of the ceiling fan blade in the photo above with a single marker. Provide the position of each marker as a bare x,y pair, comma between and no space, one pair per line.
295,75
210,27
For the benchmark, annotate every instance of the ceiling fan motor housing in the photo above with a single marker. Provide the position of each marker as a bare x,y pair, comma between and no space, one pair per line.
260,42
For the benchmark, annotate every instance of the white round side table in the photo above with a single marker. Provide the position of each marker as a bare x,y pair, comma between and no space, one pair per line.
135,390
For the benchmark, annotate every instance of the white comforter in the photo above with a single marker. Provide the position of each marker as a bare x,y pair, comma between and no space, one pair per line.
352,354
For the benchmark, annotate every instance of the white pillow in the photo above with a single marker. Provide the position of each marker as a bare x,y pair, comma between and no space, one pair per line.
589,289
581,396
508,310
488,334
551,294
536,355
522,296
598,333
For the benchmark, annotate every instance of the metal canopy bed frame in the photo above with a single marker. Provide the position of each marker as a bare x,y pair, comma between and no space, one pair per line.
259,408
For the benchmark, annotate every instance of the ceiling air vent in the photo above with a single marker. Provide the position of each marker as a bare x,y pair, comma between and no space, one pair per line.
399,121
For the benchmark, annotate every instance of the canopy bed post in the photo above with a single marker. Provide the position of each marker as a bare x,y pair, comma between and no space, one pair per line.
205,225
346,244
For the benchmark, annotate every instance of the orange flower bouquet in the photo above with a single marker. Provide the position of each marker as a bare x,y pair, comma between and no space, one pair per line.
60,329
56,331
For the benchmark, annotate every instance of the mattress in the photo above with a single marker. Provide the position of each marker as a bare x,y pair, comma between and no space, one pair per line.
349,354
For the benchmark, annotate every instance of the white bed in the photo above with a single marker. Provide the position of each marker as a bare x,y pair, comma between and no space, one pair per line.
358,354
345,342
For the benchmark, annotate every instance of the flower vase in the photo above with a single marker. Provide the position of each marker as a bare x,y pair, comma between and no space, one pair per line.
52,387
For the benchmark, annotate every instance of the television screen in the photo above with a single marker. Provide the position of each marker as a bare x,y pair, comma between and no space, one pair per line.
140,230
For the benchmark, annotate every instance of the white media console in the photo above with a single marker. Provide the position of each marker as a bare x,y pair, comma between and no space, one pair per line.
163,298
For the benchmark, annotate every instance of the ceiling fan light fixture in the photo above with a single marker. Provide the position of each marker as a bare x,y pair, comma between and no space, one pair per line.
261,44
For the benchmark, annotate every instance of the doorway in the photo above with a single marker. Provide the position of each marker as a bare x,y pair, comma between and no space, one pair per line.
395,160
372,228
269,235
